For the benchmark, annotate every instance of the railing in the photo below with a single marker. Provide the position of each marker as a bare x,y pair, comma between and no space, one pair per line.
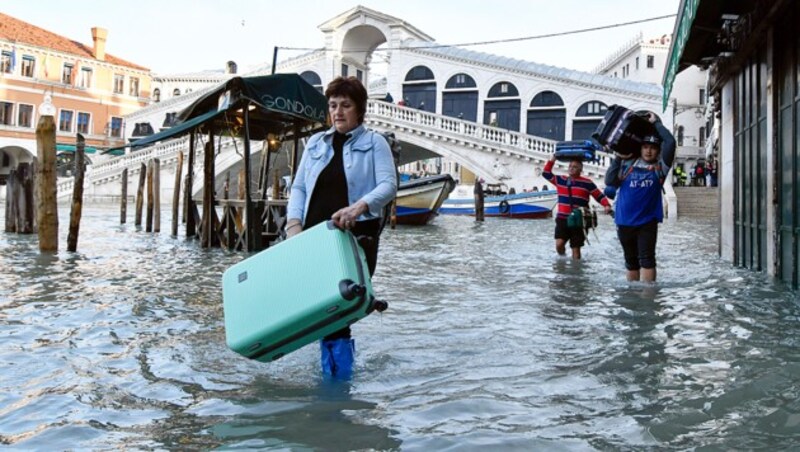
167,152
517,143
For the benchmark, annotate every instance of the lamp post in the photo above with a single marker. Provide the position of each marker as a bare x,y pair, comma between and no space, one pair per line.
47,108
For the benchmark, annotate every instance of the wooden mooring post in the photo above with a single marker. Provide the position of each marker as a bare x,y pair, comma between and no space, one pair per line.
148,222
228,228
11,205
156,195
123,200
189,206
46,192
176,194
208,224
137,219
478,191
77,196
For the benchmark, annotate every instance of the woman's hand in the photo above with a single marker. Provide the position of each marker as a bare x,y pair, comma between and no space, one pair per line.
346,217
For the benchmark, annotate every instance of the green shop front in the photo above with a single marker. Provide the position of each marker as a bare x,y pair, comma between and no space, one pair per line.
752,51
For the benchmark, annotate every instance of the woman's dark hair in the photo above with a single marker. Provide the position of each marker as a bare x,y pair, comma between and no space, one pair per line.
349,87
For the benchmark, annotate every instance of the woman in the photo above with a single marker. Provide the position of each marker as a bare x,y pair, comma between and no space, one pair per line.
347,174
639,204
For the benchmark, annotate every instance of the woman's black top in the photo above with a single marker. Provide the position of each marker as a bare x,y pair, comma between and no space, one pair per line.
330,192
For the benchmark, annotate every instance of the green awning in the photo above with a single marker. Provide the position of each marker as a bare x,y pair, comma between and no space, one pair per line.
278,103
176,131
683,27
72,147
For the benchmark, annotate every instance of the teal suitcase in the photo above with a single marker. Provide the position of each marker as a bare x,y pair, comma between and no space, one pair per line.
295,293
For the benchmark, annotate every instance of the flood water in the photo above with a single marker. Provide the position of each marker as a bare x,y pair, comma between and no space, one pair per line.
490,341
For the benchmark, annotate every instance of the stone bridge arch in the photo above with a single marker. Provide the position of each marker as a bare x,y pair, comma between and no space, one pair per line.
419,147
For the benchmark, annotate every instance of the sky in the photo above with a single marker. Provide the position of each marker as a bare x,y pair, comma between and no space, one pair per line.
182,36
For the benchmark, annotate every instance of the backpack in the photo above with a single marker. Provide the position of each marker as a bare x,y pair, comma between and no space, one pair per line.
699,171
627,168
394,146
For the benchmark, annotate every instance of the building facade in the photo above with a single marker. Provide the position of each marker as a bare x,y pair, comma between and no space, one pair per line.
752,51
90,90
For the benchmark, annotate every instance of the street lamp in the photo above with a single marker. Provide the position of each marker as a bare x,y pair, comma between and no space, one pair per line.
47,108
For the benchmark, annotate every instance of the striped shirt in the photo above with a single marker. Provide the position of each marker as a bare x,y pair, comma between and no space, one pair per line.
580,187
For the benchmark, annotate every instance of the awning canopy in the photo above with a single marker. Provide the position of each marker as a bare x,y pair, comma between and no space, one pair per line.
178,130
172,132
694,38
72,147
278,103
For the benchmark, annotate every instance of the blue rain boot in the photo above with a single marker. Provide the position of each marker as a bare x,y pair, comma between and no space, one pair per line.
337,357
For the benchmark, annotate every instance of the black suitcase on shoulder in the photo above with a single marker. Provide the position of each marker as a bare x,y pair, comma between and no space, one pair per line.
622,130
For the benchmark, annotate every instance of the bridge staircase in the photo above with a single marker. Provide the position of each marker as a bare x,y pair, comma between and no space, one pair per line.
698,202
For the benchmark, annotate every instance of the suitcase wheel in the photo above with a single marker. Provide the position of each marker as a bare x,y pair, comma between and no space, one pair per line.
349,290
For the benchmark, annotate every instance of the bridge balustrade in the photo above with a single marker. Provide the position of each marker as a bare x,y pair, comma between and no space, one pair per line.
507,141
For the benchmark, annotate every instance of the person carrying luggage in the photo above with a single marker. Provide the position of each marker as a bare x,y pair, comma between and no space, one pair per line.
573,195
639,203
346,174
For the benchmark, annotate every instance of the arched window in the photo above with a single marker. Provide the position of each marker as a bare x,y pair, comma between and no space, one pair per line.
587,118
592,108
418,73
313,79
419,89
176,92
547,99
503,89
500,112
547,116
156,95
460,98
460,81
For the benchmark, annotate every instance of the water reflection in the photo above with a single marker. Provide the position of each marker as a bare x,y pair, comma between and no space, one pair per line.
490,341
298,419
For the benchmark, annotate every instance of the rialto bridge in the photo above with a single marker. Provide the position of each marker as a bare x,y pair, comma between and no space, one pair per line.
498,117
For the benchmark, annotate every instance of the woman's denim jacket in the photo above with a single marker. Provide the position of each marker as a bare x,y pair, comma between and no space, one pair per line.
368,166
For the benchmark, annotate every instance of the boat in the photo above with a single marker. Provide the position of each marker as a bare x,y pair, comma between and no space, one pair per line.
419,200
536,204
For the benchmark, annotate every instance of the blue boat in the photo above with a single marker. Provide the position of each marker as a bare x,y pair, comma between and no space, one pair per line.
538,204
